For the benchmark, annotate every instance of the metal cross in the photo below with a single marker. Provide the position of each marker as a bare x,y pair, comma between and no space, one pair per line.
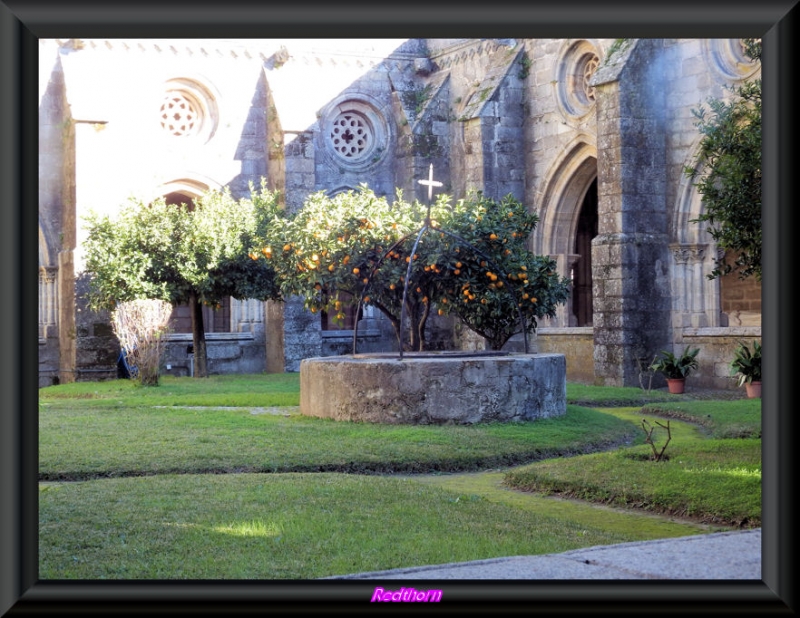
430,183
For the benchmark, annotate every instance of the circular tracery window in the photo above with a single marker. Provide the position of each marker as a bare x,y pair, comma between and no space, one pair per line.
352,136
729,57
179,115
188,110
588,66
577,66
355,134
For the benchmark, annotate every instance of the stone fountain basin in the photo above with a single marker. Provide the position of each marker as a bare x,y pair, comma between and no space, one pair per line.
434,388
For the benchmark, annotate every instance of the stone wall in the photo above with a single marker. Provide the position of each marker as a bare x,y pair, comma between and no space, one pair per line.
577,346
717,347
226,353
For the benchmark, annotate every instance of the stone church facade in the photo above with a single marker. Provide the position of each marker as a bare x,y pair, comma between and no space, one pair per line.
592,135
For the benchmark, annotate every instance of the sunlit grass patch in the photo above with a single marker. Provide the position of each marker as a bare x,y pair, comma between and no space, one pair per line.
287,526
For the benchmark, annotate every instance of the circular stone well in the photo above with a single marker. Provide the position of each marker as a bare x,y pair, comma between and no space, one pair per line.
434,387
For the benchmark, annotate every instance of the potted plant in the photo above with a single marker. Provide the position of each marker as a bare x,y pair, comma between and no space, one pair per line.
676,367
746,366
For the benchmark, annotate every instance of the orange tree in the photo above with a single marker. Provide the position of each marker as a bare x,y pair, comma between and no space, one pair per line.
180,254
490,279
470,261
327,252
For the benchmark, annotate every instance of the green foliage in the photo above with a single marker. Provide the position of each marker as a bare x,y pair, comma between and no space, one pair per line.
727,173
358,242
746,363
181,254
167,252
525,64
494,278
676,366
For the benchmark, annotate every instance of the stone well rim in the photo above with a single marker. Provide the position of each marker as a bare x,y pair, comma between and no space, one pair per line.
442,356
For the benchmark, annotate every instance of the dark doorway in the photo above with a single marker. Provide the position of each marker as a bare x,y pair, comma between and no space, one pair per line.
582,271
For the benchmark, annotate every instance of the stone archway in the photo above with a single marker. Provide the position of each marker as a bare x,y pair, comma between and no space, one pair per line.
568,222
695,297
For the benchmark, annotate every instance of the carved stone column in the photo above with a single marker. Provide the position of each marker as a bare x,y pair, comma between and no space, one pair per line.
48,302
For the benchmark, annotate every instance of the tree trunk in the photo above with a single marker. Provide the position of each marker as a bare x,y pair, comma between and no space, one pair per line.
198,337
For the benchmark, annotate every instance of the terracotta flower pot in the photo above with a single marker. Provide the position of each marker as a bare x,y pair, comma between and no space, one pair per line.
676,385
753,390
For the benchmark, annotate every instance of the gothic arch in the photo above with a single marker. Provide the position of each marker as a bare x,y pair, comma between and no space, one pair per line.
191,186
695,298
565,186
565,189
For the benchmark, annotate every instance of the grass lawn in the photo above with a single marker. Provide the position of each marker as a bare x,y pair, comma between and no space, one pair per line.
132,485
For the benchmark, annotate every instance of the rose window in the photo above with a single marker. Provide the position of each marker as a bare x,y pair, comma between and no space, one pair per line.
188,109
573,79
354,135
729,57
351,136
179,115
590,64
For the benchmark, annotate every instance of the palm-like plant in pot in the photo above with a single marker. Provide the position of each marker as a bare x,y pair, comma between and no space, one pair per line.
746,366
675,367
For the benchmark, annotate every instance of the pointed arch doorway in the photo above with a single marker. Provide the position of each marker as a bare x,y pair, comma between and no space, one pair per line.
569,221
581,275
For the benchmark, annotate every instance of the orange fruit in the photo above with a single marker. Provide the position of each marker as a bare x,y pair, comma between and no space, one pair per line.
356,270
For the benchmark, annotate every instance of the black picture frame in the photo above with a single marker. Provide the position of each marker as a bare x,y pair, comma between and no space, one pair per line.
23,22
